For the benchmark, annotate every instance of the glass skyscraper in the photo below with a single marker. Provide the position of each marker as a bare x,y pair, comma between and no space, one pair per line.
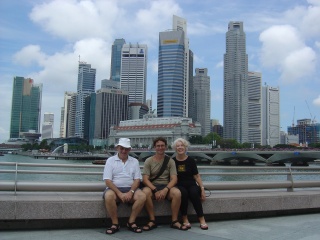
26,106
174,71
86,85
235,94
116,59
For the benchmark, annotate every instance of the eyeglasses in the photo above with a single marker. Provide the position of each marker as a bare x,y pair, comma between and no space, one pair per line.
160,146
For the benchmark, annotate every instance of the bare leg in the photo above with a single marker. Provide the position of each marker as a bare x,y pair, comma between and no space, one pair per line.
149,207
139,198
175,197
111,206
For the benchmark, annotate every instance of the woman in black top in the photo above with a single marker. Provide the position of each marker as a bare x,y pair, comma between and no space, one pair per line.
189,183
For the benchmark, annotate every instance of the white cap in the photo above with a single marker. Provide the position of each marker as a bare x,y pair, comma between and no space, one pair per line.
124,142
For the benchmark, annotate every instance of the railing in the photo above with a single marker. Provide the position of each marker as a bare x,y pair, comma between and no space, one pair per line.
98,186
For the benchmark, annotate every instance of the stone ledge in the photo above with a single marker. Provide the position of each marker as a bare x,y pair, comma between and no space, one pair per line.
25,209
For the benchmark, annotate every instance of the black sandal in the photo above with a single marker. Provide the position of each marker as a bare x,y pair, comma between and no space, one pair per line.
147,227
182,227
135,229
114,228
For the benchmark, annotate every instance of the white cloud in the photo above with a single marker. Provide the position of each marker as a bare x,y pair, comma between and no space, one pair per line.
317,101
28,55
219,65
283,48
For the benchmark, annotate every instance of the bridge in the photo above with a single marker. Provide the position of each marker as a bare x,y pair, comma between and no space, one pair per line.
295,157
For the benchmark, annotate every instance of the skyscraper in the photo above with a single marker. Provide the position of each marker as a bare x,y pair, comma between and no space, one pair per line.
47,126
202,99
270,116
254,107
133,76
174,71
235,94
26,106
67,114
86,85
116,59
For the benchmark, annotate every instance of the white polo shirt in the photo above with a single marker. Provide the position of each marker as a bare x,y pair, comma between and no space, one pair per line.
122,174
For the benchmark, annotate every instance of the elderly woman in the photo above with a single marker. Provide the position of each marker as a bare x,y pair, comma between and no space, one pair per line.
189,183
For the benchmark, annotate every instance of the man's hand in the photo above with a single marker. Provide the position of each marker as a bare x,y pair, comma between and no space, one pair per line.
161,195
125,197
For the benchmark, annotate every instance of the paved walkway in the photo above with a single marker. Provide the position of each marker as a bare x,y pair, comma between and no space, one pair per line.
296,227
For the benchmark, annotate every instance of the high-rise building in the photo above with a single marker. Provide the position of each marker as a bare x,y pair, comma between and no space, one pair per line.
26,107
86,85
270,116
116,59
105,83
47,126
235,92
174,71
66,113
107,108
202,99
254,107
306,131
133,77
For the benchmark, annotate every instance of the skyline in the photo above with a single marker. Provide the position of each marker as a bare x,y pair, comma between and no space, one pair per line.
38,39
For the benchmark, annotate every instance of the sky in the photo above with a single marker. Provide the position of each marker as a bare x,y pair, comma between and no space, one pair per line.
43,39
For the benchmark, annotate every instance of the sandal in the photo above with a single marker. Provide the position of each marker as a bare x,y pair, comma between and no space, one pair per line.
135,229
204,226
147,227
113,229
188,225
182,227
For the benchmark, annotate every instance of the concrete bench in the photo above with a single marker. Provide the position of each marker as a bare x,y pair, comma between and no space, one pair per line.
86,209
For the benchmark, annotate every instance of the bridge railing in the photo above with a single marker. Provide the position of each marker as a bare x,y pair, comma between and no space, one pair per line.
19,169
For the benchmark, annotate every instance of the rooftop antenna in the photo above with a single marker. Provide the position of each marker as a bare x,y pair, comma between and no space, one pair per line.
294,110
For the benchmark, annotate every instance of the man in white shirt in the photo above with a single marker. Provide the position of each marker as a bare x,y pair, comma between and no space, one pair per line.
122,177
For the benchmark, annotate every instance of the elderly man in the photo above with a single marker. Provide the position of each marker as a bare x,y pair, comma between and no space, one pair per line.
122,177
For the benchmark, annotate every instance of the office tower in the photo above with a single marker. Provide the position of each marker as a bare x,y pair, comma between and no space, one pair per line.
174,71
86,85
254,107
26,107
149,104
116,59
72,116
270,116
202,99
133,77
47,126
105,83
67,114
107,108
235,94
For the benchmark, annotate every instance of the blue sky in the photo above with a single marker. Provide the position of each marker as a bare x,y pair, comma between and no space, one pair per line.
43,39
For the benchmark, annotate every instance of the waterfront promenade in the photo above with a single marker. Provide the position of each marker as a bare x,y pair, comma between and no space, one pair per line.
293,227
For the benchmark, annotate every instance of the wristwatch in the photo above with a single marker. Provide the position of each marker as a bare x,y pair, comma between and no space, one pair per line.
132,191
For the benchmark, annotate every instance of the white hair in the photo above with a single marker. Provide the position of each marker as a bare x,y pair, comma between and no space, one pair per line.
182,140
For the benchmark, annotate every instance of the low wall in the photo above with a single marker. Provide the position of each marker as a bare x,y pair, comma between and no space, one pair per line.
86,209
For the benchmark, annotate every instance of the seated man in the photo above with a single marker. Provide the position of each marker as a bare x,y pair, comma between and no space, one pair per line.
122,177
161,185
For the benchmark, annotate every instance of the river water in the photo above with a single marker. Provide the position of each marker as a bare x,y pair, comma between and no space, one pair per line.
99,169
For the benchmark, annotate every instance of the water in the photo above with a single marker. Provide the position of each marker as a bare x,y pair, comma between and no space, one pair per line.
99,169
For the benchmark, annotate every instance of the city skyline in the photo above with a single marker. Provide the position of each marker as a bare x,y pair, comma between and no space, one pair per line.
45,46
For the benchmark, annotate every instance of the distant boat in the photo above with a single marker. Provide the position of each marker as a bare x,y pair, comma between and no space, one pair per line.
99,162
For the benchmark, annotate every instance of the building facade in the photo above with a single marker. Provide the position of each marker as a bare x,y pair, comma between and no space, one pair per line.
26,107
133,77
86,86
107,108
142,131
254,107
235,92
270,116
68,112
47,125
202,99
307,132
174,71
116,59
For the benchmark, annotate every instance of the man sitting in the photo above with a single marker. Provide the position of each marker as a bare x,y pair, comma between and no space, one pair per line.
122,177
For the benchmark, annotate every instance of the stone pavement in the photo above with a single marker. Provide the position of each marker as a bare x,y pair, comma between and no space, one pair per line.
292,227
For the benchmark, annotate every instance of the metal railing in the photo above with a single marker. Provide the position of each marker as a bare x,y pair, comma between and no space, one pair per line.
97,186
